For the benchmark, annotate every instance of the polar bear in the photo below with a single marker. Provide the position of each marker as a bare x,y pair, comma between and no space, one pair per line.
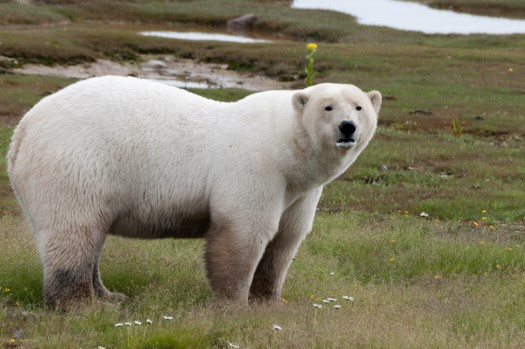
130,157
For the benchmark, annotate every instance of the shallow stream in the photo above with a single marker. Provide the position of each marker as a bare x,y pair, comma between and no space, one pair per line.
412,16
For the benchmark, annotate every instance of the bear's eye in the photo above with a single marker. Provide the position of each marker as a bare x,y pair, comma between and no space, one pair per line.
328,108
358,107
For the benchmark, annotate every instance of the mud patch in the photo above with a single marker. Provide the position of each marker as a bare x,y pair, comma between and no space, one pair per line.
184,73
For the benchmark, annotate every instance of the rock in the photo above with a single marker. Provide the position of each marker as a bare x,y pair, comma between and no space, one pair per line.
420,112
18,334
243,22
383,168
154,64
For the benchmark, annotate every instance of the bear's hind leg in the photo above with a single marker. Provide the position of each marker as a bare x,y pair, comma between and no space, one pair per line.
271,272
69,258
102,292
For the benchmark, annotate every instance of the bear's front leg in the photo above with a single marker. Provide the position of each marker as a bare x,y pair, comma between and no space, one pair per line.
233,250
296,222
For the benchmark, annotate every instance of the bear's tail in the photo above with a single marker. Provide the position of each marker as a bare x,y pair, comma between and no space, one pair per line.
16,141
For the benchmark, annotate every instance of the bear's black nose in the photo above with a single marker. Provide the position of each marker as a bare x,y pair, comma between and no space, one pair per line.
347,128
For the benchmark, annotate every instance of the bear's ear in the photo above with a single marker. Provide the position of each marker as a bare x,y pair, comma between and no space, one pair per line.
299,100
375,98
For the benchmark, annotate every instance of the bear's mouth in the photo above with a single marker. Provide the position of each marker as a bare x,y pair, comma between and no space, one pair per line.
345,143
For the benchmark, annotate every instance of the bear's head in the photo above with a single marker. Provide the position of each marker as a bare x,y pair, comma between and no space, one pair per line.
337,118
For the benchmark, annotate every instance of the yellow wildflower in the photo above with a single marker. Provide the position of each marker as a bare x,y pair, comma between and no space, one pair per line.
7,290
391,259
483,211
511,70
12,341
311,46
482,242
476,224
498,266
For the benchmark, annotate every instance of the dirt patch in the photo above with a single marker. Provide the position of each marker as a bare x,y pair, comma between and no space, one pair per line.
184,73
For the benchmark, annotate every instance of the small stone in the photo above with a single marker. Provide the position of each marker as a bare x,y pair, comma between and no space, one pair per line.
18,334
155,64
383,168
420,112
243,22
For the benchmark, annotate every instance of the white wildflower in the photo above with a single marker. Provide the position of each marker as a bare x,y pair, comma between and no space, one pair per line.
138,323
423,214
318,306
277,327
234,346
337,306
348,298
148,321
168,317
119,324
331,299
127,323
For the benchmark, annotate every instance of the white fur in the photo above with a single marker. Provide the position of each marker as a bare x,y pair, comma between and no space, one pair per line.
137,158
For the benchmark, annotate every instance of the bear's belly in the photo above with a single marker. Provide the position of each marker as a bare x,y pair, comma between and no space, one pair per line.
194,225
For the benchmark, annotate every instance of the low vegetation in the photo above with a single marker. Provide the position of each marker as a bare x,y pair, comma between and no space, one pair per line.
426,231
508,8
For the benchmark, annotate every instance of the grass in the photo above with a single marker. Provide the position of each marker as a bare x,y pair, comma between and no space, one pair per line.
508,8
408,279
452,279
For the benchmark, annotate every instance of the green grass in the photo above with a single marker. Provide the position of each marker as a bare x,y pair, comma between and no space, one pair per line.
453,279
405,274
507,8
19,93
